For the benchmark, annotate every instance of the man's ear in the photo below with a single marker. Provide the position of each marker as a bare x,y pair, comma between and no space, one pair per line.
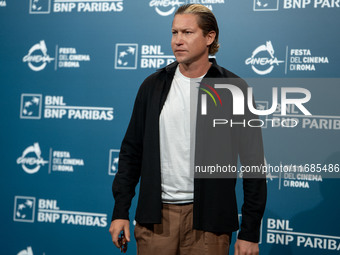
210,37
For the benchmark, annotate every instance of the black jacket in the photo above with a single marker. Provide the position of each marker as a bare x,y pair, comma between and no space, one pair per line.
215,208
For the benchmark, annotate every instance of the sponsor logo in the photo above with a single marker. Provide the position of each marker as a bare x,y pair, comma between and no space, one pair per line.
69,58
30,106
266,5
126,56
75,6
31,159
2,3
262,59
48,211
113,162
65,57
208,3
63,162
24,208
303,60
273,5
281,232
302,4
40,6
37,57
165,7
151,56
55,108
59,161
168,7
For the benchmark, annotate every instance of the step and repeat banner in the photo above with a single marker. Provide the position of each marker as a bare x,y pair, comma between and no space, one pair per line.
70,71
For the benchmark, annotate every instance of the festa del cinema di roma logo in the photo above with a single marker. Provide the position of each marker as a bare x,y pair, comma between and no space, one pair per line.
165,8
262,59
37,57
31,159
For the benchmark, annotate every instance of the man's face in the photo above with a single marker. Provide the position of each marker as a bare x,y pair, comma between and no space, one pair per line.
188,43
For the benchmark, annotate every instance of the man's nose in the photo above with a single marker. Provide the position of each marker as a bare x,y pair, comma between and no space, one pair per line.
179,39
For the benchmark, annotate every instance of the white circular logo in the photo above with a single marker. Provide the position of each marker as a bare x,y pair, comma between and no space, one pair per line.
169,5
31,165
258,63
39,60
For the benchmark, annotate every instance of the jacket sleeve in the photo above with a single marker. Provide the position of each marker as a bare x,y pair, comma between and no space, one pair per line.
254,183
130,158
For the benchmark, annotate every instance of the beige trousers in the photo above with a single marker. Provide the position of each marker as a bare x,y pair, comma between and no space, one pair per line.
176,236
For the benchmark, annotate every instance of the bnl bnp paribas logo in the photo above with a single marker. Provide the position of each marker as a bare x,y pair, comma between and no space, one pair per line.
55,107
40,6
151,56
30,106
266,5
24,209
28,209
273,5
71,6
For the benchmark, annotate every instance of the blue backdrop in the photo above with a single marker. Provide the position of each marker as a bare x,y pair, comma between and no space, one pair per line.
70,71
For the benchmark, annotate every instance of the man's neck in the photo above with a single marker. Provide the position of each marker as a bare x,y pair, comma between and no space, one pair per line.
195,69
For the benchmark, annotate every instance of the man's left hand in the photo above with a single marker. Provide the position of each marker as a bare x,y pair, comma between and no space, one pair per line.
243,247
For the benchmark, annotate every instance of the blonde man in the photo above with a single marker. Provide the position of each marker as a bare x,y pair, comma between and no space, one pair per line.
176,213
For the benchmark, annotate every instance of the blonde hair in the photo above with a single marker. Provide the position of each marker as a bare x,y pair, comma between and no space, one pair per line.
206,21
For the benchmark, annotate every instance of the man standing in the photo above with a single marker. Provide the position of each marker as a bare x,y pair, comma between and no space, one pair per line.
177,213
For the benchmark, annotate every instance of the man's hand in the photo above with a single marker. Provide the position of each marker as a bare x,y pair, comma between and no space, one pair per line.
243,247
116,227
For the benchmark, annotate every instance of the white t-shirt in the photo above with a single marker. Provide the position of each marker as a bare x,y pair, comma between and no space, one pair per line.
175,143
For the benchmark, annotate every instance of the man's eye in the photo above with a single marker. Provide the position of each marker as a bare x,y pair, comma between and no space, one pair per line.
174,32
188,32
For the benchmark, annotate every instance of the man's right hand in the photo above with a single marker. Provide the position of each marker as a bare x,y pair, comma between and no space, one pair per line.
116,227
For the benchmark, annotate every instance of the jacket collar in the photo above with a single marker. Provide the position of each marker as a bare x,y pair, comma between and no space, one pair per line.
214,71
